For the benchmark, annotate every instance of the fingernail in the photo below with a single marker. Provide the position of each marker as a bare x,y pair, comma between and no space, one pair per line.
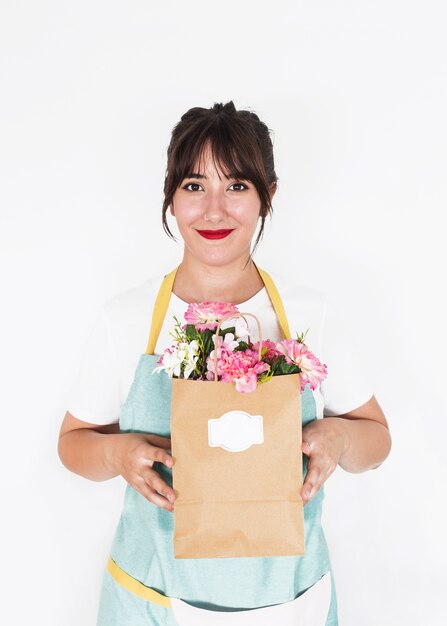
171,498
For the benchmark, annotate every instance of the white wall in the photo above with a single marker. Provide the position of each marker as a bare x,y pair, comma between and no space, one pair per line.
356,94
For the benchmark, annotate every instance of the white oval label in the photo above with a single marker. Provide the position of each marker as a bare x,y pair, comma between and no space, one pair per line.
235,431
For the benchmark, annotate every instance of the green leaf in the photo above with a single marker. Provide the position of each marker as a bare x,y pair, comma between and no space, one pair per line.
191,332
230,329
265,376
290,368
243,345
280,367
302,337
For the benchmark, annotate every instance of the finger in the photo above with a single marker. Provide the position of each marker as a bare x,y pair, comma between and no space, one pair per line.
161,456
311,483
156,498
159,441
306,447
159,485
324,462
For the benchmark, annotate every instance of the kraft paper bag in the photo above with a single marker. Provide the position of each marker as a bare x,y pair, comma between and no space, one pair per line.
237,470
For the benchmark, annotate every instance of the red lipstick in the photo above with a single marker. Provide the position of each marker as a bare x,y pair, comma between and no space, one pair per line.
215,234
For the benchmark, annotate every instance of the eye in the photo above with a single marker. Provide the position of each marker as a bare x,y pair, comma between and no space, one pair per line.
239,185
195,185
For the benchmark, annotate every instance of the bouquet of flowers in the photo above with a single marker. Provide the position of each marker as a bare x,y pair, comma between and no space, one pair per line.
247,364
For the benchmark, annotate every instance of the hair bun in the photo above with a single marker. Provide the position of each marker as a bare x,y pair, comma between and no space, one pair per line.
228,107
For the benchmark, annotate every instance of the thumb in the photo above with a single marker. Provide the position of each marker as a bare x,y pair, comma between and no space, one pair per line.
159,441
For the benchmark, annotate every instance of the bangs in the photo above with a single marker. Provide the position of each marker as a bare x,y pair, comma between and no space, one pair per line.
231,150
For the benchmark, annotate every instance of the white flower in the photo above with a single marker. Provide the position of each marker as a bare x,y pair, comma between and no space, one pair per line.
181,354
228,343
241,328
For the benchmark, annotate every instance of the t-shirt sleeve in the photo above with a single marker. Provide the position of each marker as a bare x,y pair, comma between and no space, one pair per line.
94,395
348,384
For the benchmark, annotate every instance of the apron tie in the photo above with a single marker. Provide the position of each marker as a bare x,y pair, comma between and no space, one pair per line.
135,586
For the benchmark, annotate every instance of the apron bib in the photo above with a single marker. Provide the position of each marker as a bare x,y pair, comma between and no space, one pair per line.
290,590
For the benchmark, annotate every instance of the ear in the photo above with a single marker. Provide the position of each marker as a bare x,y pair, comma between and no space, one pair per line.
171,209
272,189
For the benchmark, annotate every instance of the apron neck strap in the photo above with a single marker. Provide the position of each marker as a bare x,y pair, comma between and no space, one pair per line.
164,294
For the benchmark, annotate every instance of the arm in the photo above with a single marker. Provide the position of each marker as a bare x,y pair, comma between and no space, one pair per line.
85,448
366,437
101,452
357,441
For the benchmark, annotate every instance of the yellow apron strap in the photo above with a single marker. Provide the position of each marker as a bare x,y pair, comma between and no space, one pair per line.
160,307
276,301
135,586
164,293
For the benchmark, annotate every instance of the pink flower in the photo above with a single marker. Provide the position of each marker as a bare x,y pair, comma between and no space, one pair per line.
240,367
312,370
271,353
207,314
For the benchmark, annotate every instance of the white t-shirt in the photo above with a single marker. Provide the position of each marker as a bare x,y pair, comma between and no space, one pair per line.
120,332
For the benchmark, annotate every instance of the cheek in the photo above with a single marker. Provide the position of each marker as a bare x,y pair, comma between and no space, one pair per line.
247,213
186,212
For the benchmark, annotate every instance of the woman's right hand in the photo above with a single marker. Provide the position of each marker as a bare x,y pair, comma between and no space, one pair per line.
133,455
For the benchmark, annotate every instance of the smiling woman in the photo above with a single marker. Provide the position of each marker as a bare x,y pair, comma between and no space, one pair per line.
224,205
221,143
219,184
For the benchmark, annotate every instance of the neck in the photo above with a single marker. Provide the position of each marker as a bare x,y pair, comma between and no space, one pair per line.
236,282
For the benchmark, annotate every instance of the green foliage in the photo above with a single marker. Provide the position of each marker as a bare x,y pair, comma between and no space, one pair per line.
208,342
280,366
191,333
178,334
230,329
265,376
243,345
301,337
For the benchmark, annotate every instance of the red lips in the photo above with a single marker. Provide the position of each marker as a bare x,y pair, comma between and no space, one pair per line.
215,234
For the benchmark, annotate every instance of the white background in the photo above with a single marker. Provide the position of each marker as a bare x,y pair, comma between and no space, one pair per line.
356,94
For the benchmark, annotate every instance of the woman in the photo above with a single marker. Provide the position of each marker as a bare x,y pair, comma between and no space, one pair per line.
220,181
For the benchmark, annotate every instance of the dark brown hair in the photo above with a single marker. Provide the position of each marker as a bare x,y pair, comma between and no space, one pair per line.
240,144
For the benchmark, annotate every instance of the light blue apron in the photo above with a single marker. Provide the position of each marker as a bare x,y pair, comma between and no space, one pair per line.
143,543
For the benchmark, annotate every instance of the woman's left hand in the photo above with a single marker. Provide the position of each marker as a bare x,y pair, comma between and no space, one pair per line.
324,441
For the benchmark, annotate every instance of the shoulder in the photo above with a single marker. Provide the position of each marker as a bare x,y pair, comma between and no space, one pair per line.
129,305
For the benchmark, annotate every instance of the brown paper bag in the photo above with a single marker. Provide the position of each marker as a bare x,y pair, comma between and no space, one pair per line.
237,480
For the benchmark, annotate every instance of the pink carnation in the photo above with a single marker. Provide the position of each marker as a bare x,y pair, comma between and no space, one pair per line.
312,370
208,314
271,353
240,367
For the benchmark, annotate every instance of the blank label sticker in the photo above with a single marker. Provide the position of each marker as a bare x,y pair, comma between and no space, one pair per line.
235,431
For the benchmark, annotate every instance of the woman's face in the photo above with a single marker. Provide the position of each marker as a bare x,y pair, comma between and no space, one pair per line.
216,217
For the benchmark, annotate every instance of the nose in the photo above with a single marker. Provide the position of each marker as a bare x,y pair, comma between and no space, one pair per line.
215,207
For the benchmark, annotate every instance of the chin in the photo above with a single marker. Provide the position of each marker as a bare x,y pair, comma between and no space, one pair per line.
220,258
